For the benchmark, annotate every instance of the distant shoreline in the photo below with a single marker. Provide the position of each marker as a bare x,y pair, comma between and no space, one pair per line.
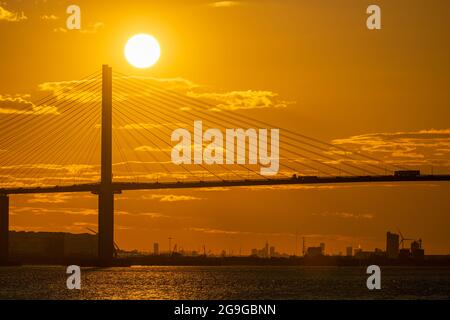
338,261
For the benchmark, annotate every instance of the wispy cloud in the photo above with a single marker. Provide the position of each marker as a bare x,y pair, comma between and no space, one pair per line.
218,231
49,17
172,83
146,126
48,211
416,147
170,197
250,99
41,174
19,104
151,149
49,198
6,15
316,237
345,215
231,100
68,90
224,4
91,28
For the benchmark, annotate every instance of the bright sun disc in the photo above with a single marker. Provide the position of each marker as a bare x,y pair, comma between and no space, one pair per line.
142,51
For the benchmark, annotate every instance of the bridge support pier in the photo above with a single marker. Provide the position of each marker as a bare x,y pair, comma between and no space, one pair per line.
106,192
4,228
106,227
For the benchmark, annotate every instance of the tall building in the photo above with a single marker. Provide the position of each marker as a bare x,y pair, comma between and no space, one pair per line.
392,245
417,252
156,249
314,252
272,252
349,251
322,247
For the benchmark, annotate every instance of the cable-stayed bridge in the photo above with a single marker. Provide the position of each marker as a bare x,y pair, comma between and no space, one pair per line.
87,137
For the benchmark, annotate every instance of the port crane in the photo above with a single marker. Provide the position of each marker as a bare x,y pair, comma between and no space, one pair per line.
402,239
116,247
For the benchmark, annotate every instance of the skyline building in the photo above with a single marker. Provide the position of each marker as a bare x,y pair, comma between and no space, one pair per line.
392,245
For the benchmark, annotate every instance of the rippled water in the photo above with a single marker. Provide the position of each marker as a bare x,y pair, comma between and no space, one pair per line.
43,282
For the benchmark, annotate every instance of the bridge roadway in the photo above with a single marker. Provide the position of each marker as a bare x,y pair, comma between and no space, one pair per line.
118,187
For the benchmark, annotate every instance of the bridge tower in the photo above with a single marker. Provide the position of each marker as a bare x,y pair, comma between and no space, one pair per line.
106,192
4,228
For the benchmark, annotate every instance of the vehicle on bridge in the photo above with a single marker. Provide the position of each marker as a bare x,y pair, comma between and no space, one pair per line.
304,178
407,173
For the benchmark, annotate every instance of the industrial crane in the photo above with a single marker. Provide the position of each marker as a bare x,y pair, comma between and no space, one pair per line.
402,241
116,247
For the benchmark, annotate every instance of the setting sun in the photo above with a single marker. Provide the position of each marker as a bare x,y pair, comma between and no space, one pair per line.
142,51
225,151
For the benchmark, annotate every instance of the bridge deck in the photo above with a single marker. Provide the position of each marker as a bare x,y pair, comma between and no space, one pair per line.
123,186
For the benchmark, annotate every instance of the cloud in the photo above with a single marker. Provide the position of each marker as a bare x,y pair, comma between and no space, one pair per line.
153,215
148,126
16,102
19,104
172,83
74,169
84,91
85,225
217,231
250,99
337,186
345,215
49,17
48,211
217,189
60,29
297,187
415,148
91,29
9,16
316,237
41,174
185,95
224,4
232,100
63,90
50,198
170,197
151,149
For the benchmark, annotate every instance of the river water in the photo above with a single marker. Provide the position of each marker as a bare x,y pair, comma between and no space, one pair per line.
231,282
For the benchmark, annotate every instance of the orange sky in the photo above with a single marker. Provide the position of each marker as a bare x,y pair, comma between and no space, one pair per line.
312,67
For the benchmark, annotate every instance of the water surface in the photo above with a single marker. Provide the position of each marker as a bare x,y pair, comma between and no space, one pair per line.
231,282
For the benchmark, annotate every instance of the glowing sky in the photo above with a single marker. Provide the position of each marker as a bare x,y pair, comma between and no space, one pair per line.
310,66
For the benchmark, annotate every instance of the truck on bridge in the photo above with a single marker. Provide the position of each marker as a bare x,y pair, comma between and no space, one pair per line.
407,173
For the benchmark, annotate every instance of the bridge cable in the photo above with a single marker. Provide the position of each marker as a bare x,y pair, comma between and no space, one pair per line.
60,155
165,142
164,125
41,139
315,169
200,102
156,146
309,151
144,163
77,87
33,127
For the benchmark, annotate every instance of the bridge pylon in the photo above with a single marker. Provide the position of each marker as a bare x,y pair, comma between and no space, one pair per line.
106,192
